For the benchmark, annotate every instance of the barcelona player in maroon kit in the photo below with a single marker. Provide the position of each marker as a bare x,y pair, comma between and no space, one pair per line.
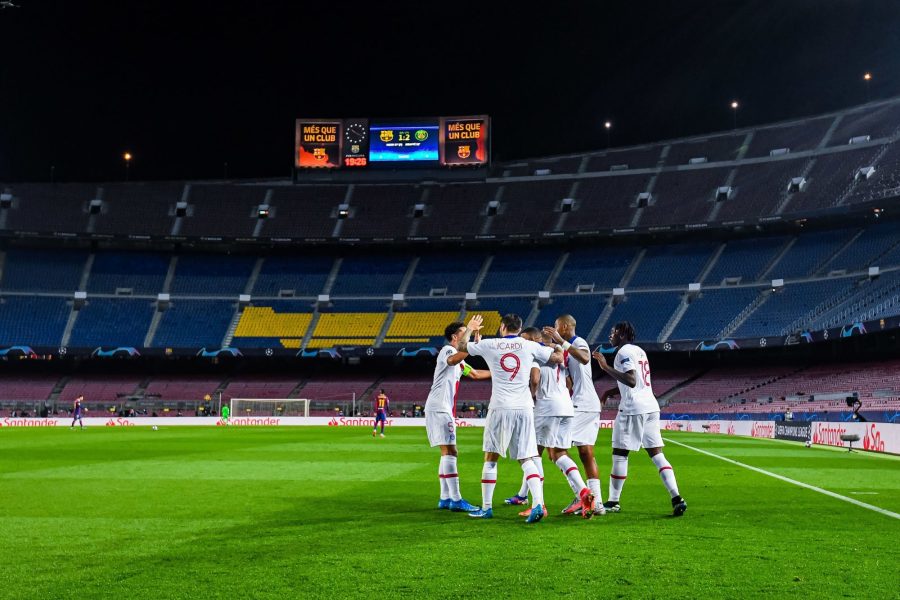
382,403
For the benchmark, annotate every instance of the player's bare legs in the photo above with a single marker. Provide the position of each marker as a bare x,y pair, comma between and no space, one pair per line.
667,474
489,481
620,472
521,496
561,458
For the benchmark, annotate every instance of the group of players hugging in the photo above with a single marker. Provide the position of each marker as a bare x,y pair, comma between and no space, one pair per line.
543,397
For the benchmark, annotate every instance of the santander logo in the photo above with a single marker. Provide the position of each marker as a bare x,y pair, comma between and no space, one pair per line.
872,441
763,430
120,422
828,435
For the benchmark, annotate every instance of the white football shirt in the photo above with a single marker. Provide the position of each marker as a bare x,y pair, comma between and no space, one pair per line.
510,360
584,395
638,400
442,397
552,395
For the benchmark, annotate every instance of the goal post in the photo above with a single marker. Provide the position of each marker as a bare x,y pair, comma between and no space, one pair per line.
269,407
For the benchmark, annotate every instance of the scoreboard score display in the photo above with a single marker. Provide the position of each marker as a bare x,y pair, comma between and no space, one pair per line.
364,143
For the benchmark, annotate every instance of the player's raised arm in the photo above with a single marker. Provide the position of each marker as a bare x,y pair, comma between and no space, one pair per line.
582,355
474,325
629,377
557,357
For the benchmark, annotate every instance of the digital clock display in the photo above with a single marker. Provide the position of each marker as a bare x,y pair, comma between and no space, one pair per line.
358,143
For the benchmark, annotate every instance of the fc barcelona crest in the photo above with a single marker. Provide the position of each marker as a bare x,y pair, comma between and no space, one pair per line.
319,153
464,151
387,135
354,149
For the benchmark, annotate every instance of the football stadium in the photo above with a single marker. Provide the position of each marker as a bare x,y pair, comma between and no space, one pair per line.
506,349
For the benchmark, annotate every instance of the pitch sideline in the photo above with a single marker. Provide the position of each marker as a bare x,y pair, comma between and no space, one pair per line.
789,480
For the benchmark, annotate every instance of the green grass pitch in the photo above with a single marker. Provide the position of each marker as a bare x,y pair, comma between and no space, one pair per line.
334,513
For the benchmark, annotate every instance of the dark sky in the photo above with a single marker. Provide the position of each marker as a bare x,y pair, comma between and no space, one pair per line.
188,85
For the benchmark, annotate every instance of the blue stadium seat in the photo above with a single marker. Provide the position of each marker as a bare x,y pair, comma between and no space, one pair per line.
306,275
33,321
106,322
143,272
194,323
43,270
214,275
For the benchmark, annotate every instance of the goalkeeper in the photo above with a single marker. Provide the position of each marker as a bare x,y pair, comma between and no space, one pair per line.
226,412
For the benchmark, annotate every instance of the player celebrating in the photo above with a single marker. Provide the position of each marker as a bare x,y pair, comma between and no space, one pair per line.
586,422
382,404
510,420
440,413
553,413
77,412
637,423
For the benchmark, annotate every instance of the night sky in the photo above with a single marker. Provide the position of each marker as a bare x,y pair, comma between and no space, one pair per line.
187,85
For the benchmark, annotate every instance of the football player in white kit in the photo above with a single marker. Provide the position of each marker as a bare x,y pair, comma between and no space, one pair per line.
637,424
440,413
553,413
510,420
586,422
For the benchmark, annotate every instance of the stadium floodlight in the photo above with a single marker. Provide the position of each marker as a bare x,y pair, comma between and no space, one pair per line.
734,109
127,157
608,126
269,407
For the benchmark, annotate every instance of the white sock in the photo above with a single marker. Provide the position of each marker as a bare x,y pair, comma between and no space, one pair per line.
594,486
523,489
666,473
535,485
617,477
573,475
442,469
488,482
451,476
539,463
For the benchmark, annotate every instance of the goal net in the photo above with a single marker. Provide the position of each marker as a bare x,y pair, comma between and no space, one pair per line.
269,407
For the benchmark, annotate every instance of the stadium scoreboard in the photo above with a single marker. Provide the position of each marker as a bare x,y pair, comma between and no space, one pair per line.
364,143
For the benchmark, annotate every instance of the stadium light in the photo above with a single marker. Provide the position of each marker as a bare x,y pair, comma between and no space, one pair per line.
867,78
608,126
734,109
127,156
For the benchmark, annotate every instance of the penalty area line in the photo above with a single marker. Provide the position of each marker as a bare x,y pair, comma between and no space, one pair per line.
789,480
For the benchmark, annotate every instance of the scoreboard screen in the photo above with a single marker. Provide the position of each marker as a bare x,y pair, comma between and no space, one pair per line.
363,143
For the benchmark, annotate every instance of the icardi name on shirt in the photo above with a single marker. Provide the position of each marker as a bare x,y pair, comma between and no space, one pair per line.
509,345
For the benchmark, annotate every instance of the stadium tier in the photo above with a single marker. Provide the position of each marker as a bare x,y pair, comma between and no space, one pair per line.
779,171
378,299
818,390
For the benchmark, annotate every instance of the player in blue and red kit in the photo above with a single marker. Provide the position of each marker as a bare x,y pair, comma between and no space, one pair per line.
76,412
382,403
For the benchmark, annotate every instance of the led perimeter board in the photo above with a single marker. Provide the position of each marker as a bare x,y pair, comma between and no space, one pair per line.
362,143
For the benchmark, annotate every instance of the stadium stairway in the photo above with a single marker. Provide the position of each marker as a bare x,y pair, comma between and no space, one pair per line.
597,329
672,391
685,299
760,386
744,315
58,388
404,285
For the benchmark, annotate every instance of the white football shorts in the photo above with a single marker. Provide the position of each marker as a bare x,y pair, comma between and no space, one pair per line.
585,427
510,430
553,432
633,432
441,428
